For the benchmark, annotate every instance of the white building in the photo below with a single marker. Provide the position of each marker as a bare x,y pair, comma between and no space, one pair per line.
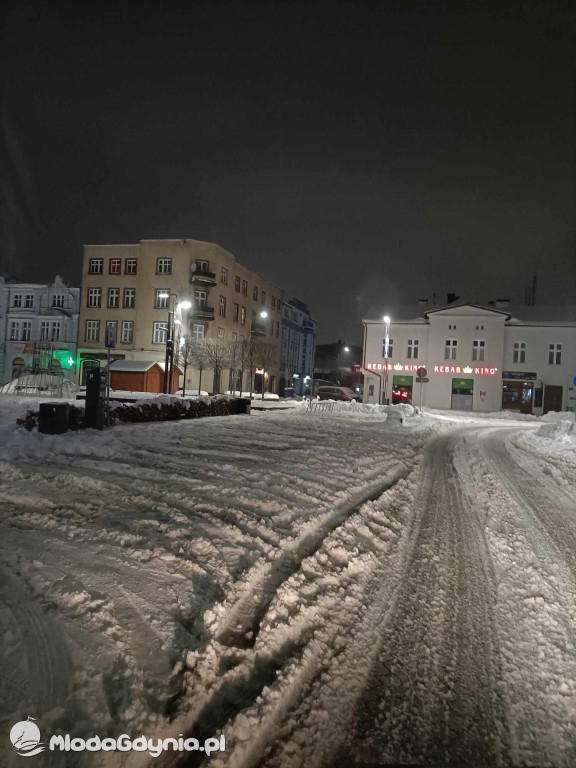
477,358
38,327
298,347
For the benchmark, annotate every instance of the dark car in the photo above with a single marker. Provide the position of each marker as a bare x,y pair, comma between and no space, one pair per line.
338,393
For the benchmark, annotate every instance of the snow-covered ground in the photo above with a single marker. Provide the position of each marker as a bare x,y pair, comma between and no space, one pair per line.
324,588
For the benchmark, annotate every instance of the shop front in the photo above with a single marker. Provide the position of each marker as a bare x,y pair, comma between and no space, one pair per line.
402,389
462,394
518,390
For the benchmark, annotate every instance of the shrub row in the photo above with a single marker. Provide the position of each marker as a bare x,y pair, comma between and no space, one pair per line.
166,408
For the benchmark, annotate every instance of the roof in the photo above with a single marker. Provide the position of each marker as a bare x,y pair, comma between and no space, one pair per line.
132,366
450,307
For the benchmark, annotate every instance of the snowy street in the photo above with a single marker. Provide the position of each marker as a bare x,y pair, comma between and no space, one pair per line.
325,589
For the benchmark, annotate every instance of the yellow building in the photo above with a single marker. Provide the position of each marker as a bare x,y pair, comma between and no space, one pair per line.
132,288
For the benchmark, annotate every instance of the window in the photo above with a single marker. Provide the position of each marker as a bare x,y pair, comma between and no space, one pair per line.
234,336
94,297
390,348
478,347
58,300
453,328
255,293
220,333
29,301
44,330
273,302
235,313
159,333
162,298
479,327
242,315
95,267
450,349
131,266
92,330
201,266
555,354
26,330
413,348
277,329
114,297
222,306
129,298
163,266
17,302
14,330
115,266
519,352
224,276
263,299
244,288
127,332
111,332
197,332
237,284
200,298
54,334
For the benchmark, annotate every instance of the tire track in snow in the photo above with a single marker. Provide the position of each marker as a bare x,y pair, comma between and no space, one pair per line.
434,695
241,625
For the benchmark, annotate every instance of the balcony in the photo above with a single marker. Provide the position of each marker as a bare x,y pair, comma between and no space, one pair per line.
201,313
202,277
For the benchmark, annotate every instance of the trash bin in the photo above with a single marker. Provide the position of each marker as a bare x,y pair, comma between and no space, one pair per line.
54,418
244,404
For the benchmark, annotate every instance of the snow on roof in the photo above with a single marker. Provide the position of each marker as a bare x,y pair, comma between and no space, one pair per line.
133,366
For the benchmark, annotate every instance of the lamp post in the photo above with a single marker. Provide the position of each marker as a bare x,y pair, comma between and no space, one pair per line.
386,350
169,357
263,313
340,350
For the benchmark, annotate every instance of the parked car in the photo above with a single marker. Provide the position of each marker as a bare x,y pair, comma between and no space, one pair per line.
338,393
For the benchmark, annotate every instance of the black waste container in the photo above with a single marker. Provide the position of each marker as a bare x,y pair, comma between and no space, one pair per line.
54,418
244,405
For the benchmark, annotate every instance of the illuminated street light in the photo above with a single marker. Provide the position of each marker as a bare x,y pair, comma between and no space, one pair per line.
386,351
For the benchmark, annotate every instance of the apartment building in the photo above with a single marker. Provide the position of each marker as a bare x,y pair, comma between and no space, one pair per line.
38,327
477,358
298,345
131,289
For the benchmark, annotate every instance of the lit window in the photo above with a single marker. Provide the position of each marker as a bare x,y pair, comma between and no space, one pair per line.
115,266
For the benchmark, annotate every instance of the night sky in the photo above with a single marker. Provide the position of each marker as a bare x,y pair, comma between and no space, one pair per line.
352,152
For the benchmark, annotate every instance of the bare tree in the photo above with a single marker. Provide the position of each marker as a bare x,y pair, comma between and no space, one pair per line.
199,358
235,351
185,357
266,358
249,359
218,352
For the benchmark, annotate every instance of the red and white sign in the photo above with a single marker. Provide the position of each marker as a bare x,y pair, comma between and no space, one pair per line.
466,369
396,367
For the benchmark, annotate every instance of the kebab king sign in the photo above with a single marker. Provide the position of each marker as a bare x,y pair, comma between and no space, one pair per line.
411,368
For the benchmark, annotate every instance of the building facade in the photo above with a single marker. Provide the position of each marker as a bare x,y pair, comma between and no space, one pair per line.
38,327
132,288
476,358
298,348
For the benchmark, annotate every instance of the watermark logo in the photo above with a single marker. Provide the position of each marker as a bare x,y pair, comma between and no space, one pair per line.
25,738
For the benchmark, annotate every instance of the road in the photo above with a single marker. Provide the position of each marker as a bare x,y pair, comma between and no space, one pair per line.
405,596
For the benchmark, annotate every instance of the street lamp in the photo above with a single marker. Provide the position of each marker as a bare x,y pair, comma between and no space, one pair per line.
340,350
169,357
386,351
263,313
